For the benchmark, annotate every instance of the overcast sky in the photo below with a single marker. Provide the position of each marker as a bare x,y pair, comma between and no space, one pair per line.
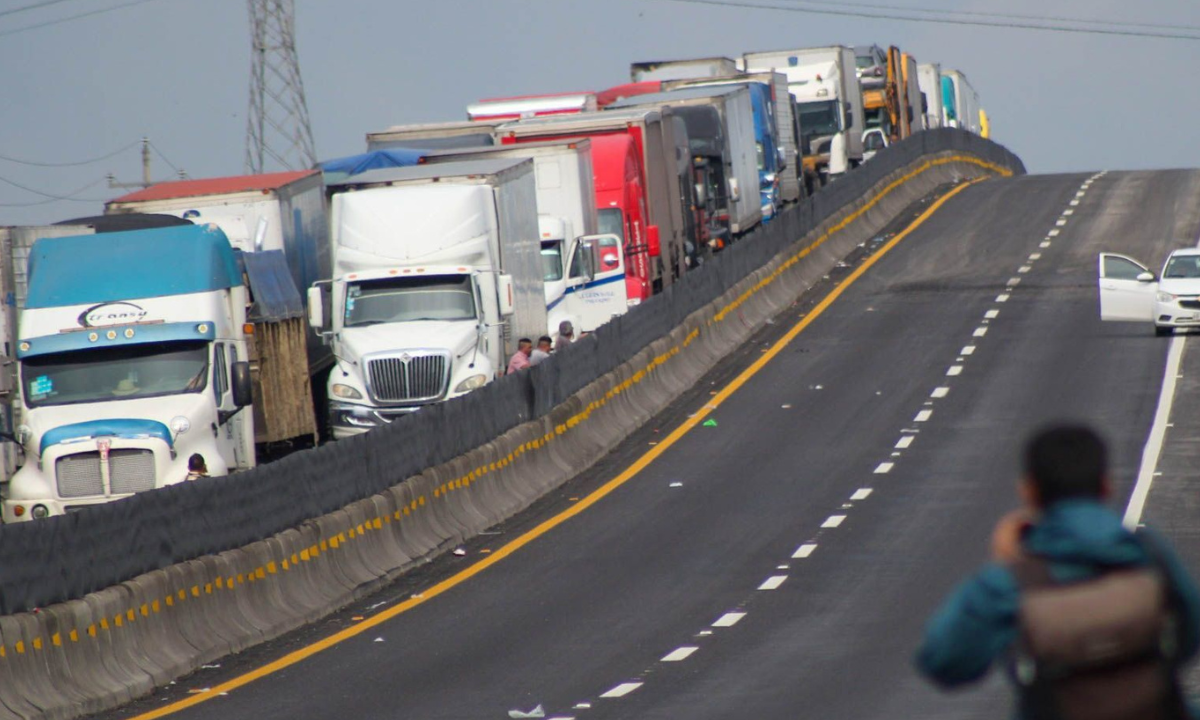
178,71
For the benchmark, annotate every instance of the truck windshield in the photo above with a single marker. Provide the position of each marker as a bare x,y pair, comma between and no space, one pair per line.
611,222
409,299
552,260
115,373
819,118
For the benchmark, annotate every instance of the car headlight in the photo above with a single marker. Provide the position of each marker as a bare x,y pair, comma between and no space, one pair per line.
472,383
346,392
1167,297
180,425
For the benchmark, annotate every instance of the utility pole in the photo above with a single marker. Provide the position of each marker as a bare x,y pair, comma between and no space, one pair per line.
146,181
278,132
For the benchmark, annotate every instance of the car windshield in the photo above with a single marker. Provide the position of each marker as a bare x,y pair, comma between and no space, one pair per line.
408,299
611,222
1183,266
115,373
864,61
552,260
819,118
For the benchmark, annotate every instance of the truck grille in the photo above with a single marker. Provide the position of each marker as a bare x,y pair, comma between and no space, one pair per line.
129,470
408,377
79,475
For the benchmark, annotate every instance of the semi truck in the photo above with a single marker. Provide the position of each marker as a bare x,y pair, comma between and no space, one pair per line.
929,80
960,102
733,148
829,103
775,130
583,272
437,272
134,356
660,248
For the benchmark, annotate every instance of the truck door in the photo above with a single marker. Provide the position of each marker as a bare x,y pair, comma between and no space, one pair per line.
1127,289
229,436
596,281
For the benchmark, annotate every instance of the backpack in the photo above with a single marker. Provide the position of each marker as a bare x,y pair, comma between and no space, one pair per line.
1099,649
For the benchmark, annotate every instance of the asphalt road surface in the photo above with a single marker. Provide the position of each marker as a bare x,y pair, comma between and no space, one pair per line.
844,491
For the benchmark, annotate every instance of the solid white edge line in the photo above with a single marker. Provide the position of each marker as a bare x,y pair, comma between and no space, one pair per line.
804,550
622,690
681,653
1158,431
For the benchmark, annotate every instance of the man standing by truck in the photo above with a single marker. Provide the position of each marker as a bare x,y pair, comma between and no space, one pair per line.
1096,620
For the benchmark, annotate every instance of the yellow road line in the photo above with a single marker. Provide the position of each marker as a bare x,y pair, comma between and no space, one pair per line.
584,503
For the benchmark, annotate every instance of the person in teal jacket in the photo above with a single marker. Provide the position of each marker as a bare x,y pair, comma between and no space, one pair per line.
1063,519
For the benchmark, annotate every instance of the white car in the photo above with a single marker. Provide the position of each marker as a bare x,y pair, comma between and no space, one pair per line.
1130,292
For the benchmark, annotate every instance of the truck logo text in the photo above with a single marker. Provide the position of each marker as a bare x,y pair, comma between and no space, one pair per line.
112,313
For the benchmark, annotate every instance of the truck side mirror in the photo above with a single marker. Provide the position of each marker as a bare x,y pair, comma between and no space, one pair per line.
243,391
505,294
849,118
316,308
653,243
701,194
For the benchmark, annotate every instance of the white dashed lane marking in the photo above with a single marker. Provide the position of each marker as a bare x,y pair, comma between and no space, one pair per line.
905,441
923,416
967,350
622,690
862,494
773,582
884,468
678,654
980,331
954,370
833,521
991,314
1002,298
729,619
939,392
804,550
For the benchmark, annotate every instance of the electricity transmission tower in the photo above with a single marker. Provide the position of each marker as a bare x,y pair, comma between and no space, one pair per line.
278,132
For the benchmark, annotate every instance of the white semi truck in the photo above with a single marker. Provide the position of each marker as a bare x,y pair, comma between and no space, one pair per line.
583,272
828,101
133,357
437,274
929,78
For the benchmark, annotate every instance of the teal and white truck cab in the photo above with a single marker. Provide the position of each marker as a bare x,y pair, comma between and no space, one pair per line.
132,358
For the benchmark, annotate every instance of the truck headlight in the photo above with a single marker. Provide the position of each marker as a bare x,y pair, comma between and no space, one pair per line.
472,383
346,392
180,425
1167,297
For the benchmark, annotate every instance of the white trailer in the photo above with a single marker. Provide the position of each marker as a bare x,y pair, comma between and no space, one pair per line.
961,102
437,274
829,101
434,136
584,273
929,79
682,69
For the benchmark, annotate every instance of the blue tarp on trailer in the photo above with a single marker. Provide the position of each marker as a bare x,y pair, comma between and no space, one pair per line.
344,167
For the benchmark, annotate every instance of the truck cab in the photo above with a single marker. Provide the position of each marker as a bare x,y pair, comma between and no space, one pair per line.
126,371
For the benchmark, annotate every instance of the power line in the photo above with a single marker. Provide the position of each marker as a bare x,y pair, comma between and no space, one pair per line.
34,6
942,21
168,162
73,196
1011,16
35,163
69,18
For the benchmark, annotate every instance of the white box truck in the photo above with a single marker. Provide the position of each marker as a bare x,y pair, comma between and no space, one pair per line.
273,211
437,274
828,100
960,102
929,78
583,272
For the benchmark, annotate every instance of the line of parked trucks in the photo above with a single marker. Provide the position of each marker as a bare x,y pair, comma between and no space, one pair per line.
235,318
